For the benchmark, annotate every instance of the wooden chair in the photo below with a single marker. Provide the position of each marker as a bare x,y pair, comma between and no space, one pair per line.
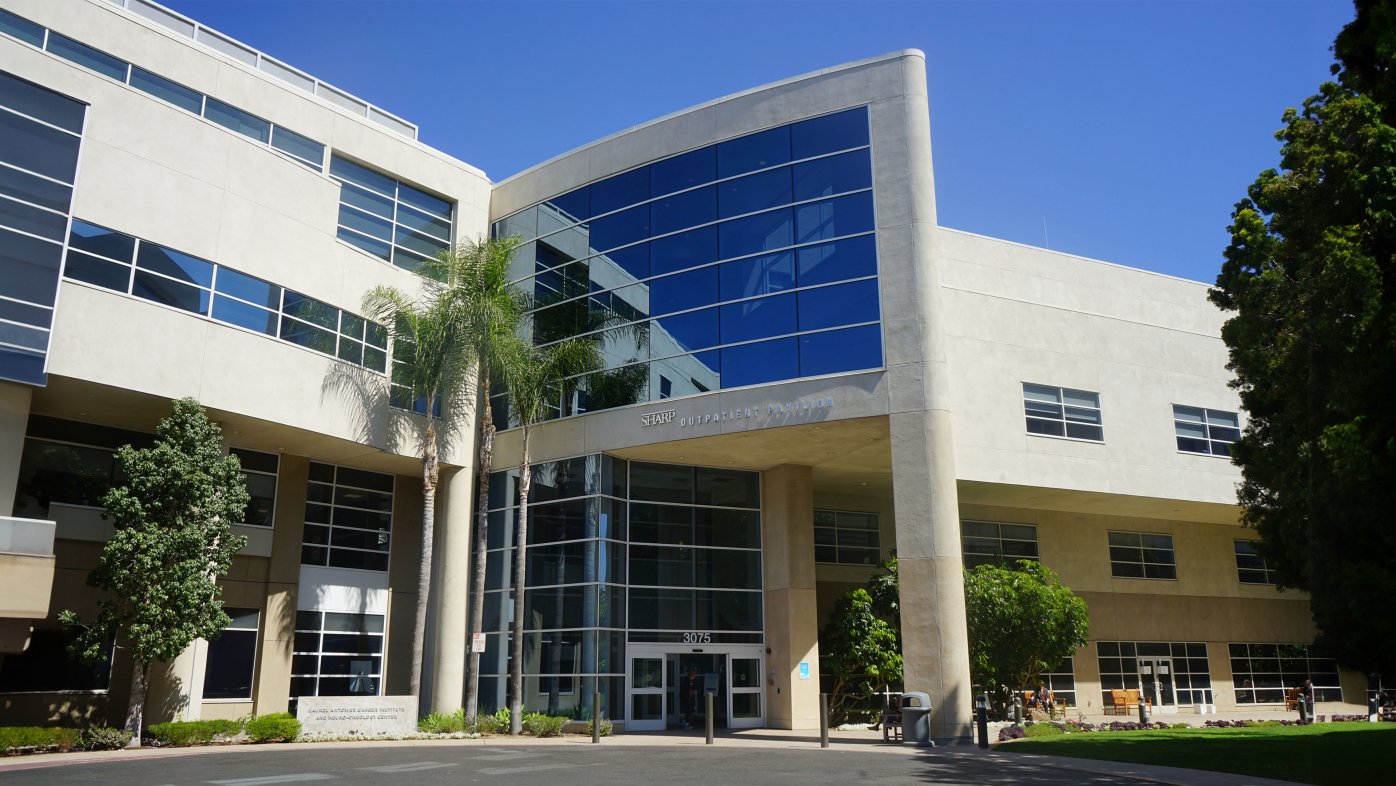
1292,699
1119,703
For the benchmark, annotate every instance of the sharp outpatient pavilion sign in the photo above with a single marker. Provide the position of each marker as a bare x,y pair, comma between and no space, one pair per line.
777,413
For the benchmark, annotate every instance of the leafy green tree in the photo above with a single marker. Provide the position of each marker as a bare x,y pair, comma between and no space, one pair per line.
1022,622
861,650
172,544
1310,280
442,338
537,379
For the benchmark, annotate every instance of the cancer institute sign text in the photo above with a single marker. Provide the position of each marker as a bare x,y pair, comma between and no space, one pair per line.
780,412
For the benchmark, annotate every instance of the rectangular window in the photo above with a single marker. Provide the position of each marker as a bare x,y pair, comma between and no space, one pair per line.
1261,673
389,219
87,57
846,538
1061,681
165,90
1169,673
994,543
232,657
1142,555
1062,412
337,654
259,471
234,119
1250,564
47,666
348,518
1209,431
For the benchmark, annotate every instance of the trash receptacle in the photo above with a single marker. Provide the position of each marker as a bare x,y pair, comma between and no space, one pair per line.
916,718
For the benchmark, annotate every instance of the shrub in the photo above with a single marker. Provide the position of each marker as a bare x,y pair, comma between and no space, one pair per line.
1014,732
105,738
24,739
440,723
200,732
501,718
1042,730
276,727
606,727
488,724
540,725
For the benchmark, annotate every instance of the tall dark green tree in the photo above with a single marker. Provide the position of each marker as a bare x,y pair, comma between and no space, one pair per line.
173,542
1310,280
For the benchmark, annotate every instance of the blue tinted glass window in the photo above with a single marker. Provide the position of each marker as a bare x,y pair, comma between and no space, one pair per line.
634,260
86,56
833,175
841,304
686,249
367,200
683,333
238,313
369,225
421,244
308,336
31,268
753,151
301,147
670,214
99,240
170,293
837,351
620,191
853,257
35,189
760,318
377,248
21,28
418,222
683,291
38,148
683,171
100,272
175,264
754,234
619,229
34,220
310,310
348,170
754,192
834,217
22,366
829,133
23,312
164,89
234,119
767,361
425,202
575,205
758,275
24,336
41,102
253,290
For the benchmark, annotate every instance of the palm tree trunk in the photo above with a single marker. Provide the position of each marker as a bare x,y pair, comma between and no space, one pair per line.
135,708
520,581
430,471
482,519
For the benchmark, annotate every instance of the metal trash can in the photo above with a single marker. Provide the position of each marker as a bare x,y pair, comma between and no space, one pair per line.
916,718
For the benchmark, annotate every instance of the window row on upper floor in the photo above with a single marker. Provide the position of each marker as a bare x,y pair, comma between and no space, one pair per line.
1132,555
1076,414
132,266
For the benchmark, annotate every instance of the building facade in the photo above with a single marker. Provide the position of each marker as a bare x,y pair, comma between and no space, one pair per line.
805,373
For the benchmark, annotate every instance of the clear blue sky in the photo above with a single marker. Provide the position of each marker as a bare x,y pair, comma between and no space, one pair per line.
1129,128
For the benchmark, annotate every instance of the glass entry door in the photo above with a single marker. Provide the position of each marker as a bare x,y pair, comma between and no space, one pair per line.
646,694
1156,682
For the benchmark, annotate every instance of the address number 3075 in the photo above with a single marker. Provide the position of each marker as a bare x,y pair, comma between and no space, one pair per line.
697,638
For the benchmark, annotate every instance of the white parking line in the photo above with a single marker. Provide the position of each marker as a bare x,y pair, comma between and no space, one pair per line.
299,776
535,768
412,767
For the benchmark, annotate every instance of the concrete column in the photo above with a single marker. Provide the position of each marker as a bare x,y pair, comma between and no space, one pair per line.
1087,668
177,686
272,692
14,422
453,534
792,607
935,646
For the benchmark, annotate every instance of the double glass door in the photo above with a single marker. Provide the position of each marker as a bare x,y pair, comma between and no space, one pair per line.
667,689
1156,682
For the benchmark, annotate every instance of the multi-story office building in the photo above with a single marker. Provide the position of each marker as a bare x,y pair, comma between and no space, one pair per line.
804,374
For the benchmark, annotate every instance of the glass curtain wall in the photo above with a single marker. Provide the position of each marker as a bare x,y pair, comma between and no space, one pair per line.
617,551
741,263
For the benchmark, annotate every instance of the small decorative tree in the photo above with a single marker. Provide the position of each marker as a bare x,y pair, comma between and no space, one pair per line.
1022,622
171,546
862,652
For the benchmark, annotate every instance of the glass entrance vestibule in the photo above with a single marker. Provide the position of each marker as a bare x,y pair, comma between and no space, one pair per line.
643,582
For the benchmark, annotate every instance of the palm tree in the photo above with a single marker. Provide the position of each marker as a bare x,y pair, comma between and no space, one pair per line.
439,339
535,377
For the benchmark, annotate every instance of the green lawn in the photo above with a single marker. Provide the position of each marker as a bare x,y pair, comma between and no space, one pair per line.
1322,753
